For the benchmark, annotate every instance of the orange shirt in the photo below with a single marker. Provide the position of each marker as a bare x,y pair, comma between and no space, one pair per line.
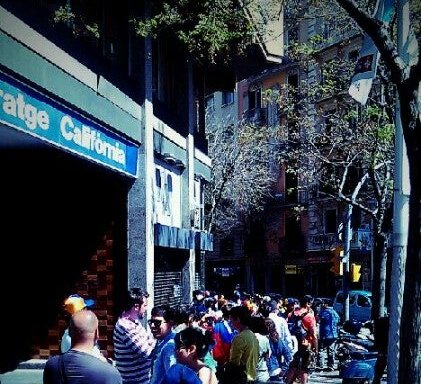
309,323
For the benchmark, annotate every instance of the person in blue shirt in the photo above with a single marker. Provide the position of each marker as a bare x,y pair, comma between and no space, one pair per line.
328,320
162,323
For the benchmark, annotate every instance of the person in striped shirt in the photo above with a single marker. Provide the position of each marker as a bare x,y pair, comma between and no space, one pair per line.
133,343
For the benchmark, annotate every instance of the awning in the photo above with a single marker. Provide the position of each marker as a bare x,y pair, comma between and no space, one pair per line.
173,237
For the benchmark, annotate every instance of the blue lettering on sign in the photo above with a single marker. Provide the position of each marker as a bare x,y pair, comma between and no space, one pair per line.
28,111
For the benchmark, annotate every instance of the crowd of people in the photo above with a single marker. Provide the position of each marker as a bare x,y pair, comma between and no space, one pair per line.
243,339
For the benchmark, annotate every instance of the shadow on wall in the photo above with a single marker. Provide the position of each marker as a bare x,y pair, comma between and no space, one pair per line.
53,211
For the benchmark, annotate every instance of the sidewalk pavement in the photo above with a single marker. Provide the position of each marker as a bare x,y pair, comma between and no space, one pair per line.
30,372
27,372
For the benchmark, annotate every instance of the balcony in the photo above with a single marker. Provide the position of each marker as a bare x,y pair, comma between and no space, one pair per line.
322,241
361,239
297,196
256,116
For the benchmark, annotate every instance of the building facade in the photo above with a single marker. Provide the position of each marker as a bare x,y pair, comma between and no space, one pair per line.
291,249
104,160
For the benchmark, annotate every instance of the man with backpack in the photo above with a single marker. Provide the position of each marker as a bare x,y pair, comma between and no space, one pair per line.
303,326
328,320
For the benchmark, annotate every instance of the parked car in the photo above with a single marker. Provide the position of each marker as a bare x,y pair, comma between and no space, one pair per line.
359,304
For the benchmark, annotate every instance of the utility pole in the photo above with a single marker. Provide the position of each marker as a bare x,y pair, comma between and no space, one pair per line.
400,217
345,260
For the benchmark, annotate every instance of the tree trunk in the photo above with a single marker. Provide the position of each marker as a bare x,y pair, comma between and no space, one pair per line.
379,275
410,331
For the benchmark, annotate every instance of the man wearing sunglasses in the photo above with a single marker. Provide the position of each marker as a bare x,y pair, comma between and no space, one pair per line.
162,322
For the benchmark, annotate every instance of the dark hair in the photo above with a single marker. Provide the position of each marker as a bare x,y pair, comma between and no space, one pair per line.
271,328
241,313
202,339
258,325
306,299
164,311
182,314
135,296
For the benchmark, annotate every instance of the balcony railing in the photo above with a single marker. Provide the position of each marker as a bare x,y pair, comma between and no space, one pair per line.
322,241
256,115
361,239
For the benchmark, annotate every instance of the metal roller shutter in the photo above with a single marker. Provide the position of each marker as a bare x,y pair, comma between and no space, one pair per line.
168,288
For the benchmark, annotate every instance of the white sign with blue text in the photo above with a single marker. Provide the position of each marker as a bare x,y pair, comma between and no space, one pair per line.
29,111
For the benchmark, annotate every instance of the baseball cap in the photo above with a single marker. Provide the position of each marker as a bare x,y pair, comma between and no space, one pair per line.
75,303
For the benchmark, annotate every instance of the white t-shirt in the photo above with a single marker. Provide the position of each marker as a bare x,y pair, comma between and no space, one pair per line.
66,344
262,372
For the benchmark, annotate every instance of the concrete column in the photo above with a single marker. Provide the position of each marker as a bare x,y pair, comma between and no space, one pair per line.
140,231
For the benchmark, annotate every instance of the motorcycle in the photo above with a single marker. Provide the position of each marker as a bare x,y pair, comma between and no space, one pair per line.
356,356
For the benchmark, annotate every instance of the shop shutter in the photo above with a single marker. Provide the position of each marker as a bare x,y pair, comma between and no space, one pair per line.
168,288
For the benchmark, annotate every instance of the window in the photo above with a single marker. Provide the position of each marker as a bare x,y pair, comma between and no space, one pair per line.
255,100
167,196
293,34
227,97
353,56
327,29
330,221
169,183
158,178
356,218
227,247
293,80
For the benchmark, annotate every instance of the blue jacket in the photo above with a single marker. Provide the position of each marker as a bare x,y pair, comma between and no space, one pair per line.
328,323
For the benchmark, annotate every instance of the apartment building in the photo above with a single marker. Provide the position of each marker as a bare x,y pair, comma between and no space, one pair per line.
290,250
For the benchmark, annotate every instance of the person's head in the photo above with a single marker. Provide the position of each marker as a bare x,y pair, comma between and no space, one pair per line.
198,295
273,306
290,304
258,325
83,328
137,301
192,344
306,301
240,317
75,303
181,315
162,321
326,303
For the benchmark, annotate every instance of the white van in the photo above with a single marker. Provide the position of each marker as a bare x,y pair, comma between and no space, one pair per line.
359,305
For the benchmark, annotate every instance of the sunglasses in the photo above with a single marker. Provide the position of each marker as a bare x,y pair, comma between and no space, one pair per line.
156,322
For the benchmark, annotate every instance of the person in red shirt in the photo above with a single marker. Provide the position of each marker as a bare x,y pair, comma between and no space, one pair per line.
304,359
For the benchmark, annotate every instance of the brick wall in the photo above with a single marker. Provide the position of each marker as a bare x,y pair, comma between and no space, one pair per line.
95,282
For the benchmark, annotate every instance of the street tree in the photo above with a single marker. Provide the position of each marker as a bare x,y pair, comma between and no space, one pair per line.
346,152
405,75
242,173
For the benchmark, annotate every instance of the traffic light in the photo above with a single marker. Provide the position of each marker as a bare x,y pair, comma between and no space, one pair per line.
336,268
355,272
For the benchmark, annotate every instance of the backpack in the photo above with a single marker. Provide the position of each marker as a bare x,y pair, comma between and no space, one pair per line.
296,327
